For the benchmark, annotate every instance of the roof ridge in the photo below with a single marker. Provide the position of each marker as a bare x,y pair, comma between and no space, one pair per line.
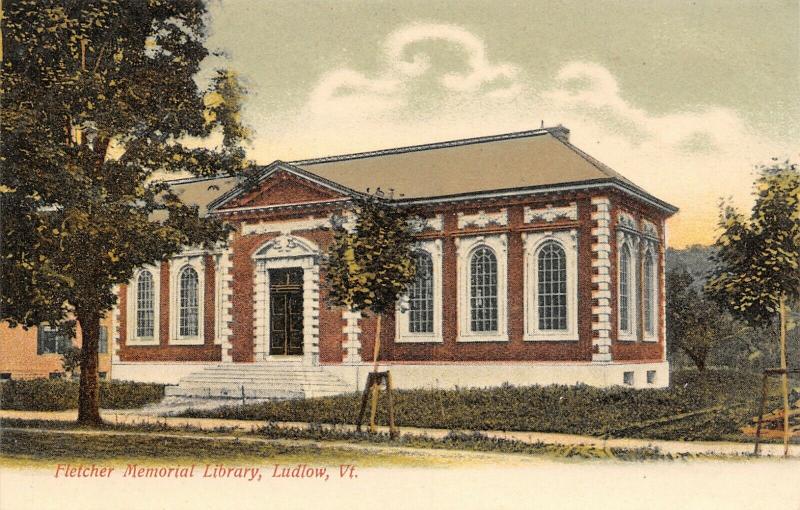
596,162
431,146
186,180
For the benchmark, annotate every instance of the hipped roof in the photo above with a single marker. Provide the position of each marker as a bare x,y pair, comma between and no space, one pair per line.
473,166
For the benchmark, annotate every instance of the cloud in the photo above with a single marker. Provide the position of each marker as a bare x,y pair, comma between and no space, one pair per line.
598,98
405,60
688,157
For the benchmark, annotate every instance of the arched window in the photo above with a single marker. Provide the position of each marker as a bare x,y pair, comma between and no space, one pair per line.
483,290
625,289
420,296
145,312
649,294
552,287
188,320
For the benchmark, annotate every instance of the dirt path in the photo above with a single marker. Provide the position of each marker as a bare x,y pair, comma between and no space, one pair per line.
669,447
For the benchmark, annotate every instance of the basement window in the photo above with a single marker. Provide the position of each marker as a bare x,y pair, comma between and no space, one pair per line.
651,377
5,376
627,378
56,375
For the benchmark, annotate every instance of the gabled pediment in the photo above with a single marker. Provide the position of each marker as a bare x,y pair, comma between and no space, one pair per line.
282,184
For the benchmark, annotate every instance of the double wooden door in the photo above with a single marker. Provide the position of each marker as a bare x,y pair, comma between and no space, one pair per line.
286,312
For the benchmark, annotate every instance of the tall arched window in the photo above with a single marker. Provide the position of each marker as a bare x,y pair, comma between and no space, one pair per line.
420,296
188,319
625,272
552,287
145,312
649,294
483,290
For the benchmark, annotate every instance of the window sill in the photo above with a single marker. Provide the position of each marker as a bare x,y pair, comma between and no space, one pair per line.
187,341
626,339
418,340
482,338
550,338
148,342
650,339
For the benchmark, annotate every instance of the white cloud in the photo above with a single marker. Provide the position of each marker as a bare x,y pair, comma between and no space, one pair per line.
481,71
689,158
340,90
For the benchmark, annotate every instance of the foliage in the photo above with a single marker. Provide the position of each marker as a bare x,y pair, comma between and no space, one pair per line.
371,266
567,409
695,325
71,360
60,395
751,348
99,102
758,258
695,259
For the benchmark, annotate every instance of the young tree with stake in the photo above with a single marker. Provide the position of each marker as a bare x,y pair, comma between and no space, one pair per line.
757,273
372,265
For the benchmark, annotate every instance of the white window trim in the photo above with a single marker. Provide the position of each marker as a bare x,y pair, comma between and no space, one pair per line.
218,298
130,337
465,246
633,276
402,334
533,242
176,266
650,252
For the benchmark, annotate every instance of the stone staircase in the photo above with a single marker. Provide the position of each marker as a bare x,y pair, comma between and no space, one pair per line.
262,381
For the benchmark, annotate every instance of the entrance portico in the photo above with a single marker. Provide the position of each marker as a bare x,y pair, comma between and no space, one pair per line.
286,301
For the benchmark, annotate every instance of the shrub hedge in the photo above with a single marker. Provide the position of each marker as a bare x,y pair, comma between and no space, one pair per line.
60,395
567,409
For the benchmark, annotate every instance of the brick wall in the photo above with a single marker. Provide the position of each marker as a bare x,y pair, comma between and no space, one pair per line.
332,334
638,350
18,354
208,351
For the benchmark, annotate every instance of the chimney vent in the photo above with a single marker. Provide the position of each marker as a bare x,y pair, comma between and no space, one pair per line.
560,132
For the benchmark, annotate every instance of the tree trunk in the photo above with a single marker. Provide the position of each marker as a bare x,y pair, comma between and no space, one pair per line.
89,396
376,386
377,350
784,379
701,364
698,358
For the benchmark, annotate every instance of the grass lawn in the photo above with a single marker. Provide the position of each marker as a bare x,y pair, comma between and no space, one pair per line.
697,406
32,440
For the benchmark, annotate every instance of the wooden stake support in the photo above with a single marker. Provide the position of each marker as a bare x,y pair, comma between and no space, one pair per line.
374,380
784,373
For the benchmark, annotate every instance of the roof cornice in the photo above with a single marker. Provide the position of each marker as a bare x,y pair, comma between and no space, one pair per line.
613,183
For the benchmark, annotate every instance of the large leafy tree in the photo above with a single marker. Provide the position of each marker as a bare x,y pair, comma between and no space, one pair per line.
695,325
757,265
98,100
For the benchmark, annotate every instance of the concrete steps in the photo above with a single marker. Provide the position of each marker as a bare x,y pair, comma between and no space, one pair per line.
262,381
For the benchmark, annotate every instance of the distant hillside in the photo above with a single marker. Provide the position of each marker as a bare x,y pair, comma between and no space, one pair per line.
696,259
